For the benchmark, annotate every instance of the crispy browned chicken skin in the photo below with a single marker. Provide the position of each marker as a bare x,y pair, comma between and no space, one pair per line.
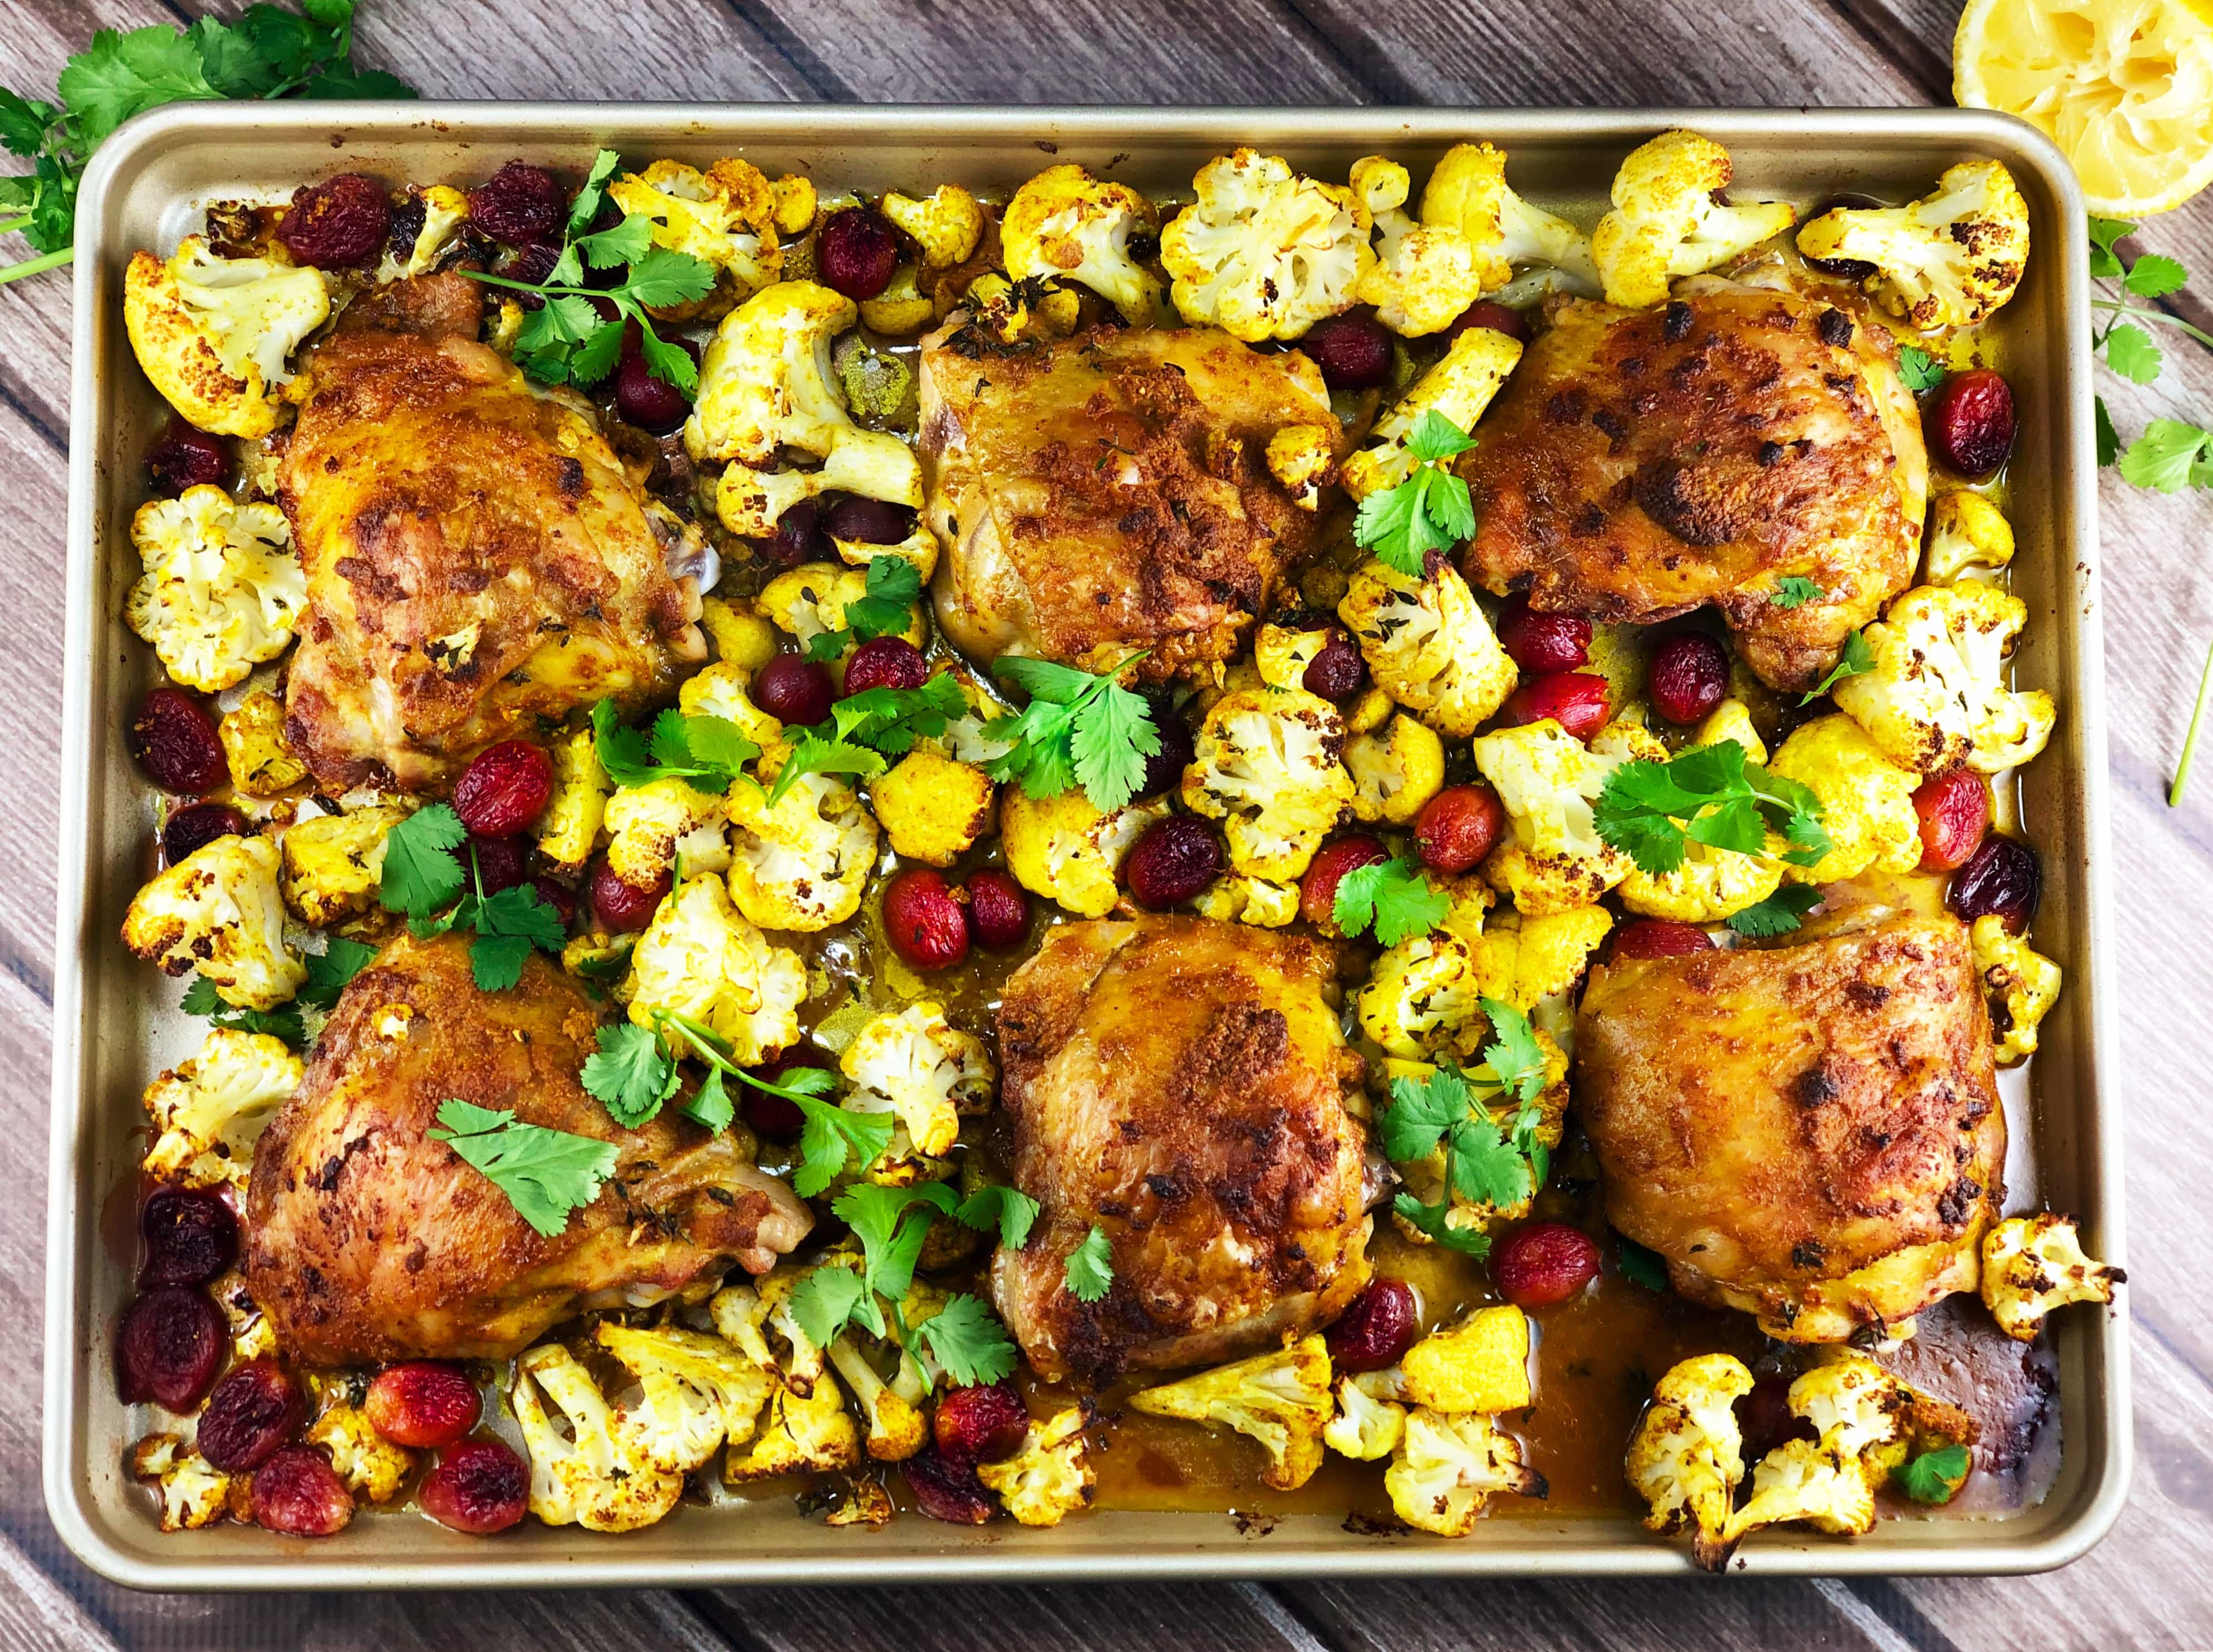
1810,1133
366,1239
1642,463
1109,492
1180,1083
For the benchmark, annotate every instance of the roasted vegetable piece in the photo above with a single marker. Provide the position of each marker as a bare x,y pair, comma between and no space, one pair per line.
2033,1264
1281,1399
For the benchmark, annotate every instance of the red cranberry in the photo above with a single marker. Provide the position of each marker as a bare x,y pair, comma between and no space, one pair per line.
174,740
518,204
1540,643
886,663
557,895
424,1403
532,263
338,223
1853,270
866,522
505,788
650,403
498,862
480,1487
797,538
857,252
1954,807
1764,1415
1458,827
1172,860
1576,700
1971,423
187,457
1689,676
998,911
195,827
620,907
1318,889
774,1116
1380,1326
190,1236
298,1493
925,924
1499,318
1164,768
2001,880
948,1490
982,1423
252,1411
1337,672
794,690
169,1347
1660,937
1544,1262
1353,351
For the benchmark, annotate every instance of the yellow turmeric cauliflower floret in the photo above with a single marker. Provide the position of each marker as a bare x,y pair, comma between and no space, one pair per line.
1528,959
1731,720
1428,646
946,223
2033,1264
1857,1409
253,733
1867,801
1481,1364
742,640
1448,1468
194,1491
1946,260
222,589
700,958
1264,253
219,911
569,828
370,1465
213,334
896,1428
1425,275
1458,388
1266,764
1281,656
1467,191
913,1063
724,216
1302,458
209,1109
1050,1478
695,1392
445,211
802,862
2022,985
1395,772
1064,223
1687,1458
1423,999
334,863
591,1476
1936,695
651,826
806,1428
932,808
811,600
1966,531
1281,1399
1234,898
720,690
1547,780
1668,221
1063,849
1369,1422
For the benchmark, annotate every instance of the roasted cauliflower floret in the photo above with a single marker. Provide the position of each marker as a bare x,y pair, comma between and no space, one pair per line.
1866,800
1529,960
1369,1422
194,1491
1066,223
2032,1265
1428,646
445,210
1469,192
1731,720
811,600
2022,984
1302,458
806,1428
589,1477
1966,531
724,216
932,807
214,333
1423,278
1396,771
720,690
700,958
695,1393
334,863
253,733
1936,696
1687,1458
651,826
1234,898
1946,260
1267,766
1280,654
370,1465
1063,849
1857,1409
896,1428
1281,1399
209,1109
569,828
743,641
219,911
913,1063
1553,861
802,862
1264,253
1050,1478
1459,386
1425,1177
1667,220
222,589
1424,999
1448,1468
1480,1364
946,223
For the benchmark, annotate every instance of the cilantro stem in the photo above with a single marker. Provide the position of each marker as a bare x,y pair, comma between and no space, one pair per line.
2190,740
36,265
2141,313
614,294
714,1050
13,224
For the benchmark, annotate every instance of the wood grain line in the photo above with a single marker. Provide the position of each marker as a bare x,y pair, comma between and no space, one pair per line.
819,78
1911,54
1895,1612
1282,1610
28,407
1371,68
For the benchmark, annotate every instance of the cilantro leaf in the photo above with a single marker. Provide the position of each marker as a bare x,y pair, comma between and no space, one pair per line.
831,1136
2167,456
545,1173
201,999
1779,914
2155,275
1857,659
709,1105
1794,591
2109,439
568,340
1484,1167
1933,1475
894,585
2104,233
1430,511
1435,436
2131,354
891,720
1078,729
971,1343
1431,1219
1514,1059
329,970
706,752
1920,370
1393,897
1651,811
996,1205
1422,1110
586,206
1640,1265
121,75
669,362
420,873
1089,1272
892,1223
823,1300
814,755
630,1073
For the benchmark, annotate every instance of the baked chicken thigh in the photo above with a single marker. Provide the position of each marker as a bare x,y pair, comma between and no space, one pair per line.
369,1240
1179,1084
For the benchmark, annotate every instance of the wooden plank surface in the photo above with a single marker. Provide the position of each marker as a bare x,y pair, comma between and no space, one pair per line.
2151,1583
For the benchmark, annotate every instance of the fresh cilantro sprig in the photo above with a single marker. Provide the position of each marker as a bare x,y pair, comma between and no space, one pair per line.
1794,591
1088,1272
1920,370
1933,1475
421,875
545,1173
707,753
1653,811
1486,1162
1078,729
266,51
1779,914
328,971
1855,659
866,727
1430,510
884,609
1391,896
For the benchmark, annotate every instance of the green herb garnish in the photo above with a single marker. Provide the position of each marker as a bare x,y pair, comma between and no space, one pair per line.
1090,1270
1078,729
1653,811
1391,896
545,1173
1485,1163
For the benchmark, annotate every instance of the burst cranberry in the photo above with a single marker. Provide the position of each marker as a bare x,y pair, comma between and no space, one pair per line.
797,538
651,404
1853,270
190,1236
1764,1415
480,1487
793,690
857,253
1458,827
623,907
886,663
195,827
1970,422
1353,351
505,788
982,1423
252,1412
1541,642
1955,812
1318,889
517,204
866,522
298,1493
423,1403
776,1117
494,863
187,457
1172,860
557,895
1381,1325
998,911
947,1490
2001,880
532,263
1544,1262
1164,768
174,738
1689,676
1499,318
925,924
169,1347
1577,700
1337,672
338,223
1660,937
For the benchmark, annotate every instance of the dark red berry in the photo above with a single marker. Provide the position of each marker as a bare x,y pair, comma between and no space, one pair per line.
1765,1418
187,457
998,911
886,663
169,1347
1498,318
532,263
797,538
518,204
480,1487
651,404
498,862
1954,807
982,1423
190,1236
1543,1264
1164,768
195,827
777,1117
866,522
948,1490
1172,860
925,924
1853,270
1689,676
174,738
1970,422
2001,880
1380,1325
1577,700
338,223
857,252
424,1403
505,788
1353,351
252,1412
1542,642
298,1493
1318,889
794,690
1337,672
1660,937
1458,827
623,907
